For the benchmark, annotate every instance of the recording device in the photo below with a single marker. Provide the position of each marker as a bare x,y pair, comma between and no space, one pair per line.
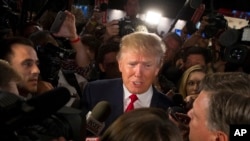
177,115
179,111
56,25
236,44
96,117
54,51
50,55
216,22
39,118
127,26
102,7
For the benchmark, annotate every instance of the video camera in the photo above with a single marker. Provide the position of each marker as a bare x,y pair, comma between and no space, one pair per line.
40,118
127,26
215,23
50,55
236,44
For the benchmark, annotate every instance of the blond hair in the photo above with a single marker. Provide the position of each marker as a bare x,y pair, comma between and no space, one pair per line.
186,74
148,43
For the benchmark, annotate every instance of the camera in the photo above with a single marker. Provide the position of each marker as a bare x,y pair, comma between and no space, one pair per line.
53,56
236,47
40,118
216,22
127,26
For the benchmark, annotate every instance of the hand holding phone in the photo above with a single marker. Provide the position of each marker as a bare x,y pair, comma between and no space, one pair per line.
56,25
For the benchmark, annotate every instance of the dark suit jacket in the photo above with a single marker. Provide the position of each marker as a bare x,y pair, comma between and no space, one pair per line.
111,90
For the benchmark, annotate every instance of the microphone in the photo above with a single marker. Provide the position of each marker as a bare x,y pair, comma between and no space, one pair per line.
96,118
193,4
49,102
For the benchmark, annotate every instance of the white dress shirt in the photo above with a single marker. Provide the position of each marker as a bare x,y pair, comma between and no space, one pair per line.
144,99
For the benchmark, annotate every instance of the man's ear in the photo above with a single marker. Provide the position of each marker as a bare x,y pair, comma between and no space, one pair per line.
221,136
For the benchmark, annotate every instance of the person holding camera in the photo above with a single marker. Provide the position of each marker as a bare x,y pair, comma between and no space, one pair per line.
128,24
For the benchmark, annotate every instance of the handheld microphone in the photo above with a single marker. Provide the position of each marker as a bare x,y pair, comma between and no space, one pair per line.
96,118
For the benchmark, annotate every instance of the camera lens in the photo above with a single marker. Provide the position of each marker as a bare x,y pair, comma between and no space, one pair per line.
236,53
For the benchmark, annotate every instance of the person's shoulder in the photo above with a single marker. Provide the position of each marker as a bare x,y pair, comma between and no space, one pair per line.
163,98
106,81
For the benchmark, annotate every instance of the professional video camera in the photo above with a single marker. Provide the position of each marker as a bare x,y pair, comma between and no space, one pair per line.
54,51
50,55
127,26
216,22
40,118
236,44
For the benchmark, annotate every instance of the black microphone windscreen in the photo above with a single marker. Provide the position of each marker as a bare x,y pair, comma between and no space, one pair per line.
195,3
101,111
50,101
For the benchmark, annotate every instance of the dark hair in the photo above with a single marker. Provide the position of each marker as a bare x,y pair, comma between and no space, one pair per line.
229,103
196,50
175,36
144,124
105,49
92,42
6,46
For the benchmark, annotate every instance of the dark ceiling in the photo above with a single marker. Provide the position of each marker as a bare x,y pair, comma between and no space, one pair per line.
171,8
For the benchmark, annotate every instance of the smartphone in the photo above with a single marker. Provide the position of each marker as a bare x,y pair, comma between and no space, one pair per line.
56,25
179,117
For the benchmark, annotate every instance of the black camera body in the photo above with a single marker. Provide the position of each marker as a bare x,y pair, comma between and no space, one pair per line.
215,23
53,56
33,120
127,26
236,44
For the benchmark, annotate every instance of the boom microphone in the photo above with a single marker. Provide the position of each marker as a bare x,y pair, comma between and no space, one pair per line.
96,118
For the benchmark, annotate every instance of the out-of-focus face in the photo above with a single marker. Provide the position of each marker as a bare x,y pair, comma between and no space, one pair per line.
132,8
193,82
138,70
194,59
198,125
110,65
172,48
24,60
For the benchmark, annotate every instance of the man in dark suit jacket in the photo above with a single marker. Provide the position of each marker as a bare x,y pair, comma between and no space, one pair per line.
139,59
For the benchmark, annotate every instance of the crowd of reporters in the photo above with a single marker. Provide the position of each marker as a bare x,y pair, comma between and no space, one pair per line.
183,84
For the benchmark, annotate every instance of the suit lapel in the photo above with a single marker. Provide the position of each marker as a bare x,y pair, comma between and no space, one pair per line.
155,99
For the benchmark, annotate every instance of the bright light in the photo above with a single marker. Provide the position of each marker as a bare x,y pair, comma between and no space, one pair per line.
153,17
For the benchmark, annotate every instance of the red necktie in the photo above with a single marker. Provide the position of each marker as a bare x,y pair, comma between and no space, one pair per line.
133,98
